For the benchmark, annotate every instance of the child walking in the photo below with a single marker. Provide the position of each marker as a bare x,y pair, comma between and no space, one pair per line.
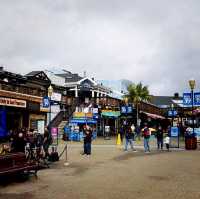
167,141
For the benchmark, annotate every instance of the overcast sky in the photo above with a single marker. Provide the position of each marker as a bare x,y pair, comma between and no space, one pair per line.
153,41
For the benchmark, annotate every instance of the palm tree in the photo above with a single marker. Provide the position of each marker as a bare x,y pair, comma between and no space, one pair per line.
137,93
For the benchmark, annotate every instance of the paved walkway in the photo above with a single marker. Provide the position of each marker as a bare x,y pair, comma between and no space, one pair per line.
111,173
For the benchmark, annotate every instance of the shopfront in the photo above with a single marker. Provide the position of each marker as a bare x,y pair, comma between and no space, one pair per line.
110,122
12,114
16,114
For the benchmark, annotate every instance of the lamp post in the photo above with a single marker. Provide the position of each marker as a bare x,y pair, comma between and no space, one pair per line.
50,92
192,84
126,102
172,109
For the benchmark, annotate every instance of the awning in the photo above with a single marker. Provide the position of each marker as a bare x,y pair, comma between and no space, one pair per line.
114,114
154,116
83,121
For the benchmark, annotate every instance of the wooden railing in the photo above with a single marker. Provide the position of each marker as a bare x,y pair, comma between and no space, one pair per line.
63,115
57,119
23,90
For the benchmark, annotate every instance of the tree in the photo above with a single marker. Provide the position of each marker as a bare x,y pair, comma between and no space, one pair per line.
137,93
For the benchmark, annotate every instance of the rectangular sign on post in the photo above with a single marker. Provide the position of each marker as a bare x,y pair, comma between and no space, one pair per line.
54,134
126,109
40,126
123,109
174,131
129,109
197,99
172,113
187,99
45,102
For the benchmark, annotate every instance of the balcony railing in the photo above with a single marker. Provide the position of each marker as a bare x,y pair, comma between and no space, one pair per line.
23,90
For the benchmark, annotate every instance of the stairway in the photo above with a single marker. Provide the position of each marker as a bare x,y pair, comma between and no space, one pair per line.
61,128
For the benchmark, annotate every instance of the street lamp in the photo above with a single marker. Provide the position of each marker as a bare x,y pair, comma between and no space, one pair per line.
126,103
192,84
50,92
172,109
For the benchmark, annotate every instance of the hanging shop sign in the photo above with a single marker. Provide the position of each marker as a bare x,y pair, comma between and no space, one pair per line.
197,99
45,102
95,110
187,99
82,114
126,109
56,97
12,102
172,113
109,113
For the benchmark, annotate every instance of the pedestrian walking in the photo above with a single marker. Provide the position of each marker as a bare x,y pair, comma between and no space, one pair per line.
47,141
130,132
87,140
137,133
146,135
167,141
159,136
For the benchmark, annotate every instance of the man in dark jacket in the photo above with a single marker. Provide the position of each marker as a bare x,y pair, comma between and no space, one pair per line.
159,136
87,140
129,135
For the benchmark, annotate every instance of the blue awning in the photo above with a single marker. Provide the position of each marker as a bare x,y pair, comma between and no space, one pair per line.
83,121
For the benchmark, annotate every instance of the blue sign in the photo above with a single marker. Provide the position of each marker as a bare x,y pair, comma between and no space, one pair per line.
126,109
197,99
123,109
129,109
172,113
95,116
187,99
45,102
3,130
174,131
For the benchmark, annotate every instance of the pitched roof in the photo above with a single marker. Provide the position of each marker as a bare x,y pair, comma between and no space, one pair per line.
38,76
33,73
161,101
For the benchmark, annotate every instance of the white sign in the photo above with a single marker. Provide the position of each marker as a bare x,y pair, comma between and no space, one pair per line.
12,102
56,97
107,129
40,126
86,110
94,110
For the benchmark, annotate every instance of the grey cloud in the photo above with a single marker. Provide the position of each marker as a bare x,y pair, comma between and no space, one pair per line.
156,42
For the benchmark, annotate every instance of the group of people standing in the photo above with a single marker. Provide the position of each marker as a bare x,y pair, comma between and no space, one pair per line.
28,138
131,134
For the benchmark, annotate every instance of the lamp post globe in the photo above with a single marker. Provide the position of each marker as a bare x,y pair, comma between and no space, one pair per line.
192,83
50,91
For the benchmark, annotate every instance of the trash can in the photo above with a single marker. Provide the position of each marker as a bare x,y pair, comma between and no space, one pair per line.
190,142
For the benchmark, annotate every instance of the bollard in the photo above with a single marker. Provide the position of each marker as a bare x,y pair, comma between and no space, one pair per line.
66,157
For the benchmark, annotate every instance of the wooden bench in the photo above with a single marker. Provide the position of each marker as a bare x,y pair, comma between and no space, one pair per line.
16,163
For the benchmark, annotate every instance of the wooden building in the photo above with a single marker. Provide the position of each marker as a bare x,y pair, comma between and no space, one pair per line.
20,100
